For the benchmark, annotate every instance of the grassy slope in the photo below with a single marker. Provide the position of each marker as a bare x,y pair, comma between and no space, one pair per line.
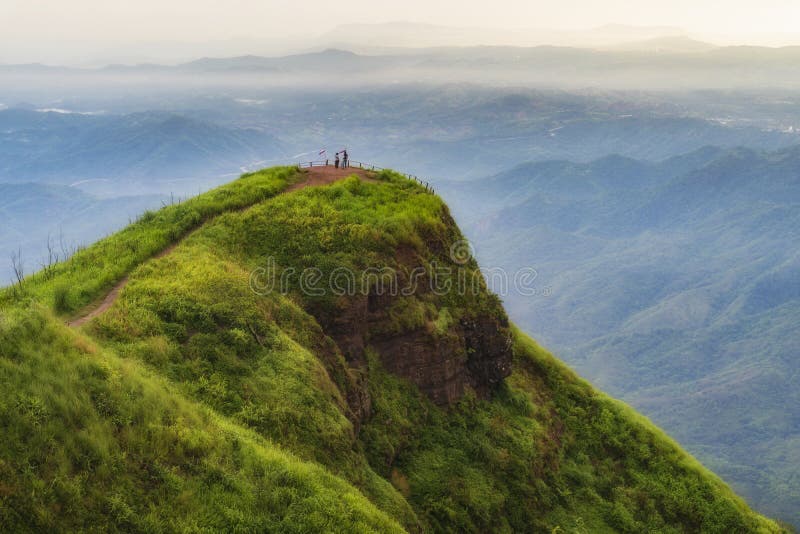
95,442
194,403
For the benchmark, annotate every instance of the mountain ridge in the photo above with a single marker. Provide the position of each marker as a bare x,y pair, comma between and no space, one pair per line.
157,145
196,402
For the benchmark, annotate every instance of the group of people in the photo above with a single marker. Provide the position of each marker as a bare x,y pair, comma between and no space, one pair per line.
344,162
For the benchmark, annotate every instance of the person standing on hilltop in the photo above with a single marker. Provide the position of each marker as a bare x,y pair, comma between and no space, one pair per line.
336,161
345,159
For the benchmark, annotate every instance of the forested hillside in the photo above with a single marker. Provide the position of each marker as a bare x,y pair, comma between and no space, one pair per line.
673,285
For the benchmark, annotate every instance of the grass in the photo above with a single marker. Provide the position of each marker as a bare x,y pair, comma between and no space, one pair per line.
195,404
92,271
95,442
547,452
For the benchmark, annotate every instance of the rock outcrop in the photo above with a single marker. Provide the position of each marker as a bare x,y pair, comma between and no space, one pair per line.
472,353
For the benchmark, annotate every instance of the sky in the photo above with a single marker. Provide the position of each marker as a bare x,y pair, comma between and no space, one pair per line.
31,29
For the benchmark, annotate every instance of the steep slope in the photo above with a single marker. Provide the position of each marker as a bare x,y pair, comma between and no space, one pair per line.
674,286
321,359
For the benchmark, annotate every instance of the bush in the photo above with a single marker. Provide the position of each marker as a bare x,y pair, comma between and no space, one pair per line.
62,302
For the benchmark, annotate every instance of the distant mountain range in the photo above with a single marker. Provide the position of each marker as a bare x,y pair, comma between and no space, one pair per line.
414,35
381,38
463,131
674,285
369,38
32,213
666,62
64,147
51,159
668,44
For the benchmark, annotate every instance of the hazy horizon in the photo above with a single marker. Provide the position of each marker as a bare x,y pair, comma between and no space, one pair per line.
87,32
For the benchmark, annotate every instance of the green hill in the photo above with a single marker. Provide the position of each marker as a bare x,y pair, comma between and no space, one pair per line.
196,403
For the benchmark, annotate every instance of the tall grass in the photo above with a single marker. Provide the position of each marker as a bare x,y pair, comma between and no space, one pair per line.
95,442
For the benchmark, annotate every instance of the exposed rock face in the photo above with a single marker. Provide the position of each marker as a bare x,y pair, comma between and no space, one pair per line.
343,355
349,327
472,353
489,356
437,366
443,368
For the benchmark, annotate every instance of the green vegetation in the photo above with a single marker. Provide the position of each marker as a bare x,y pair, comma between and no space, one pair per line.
195,404
547,451
95,442
92,271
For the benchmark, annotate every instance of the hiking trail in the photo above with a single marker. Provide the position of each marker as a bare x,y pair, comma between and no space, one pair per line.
314,177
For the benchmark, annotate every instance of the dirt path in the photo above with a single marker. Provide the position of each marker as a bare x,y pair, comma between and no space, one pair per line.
327,175
315,176
114,293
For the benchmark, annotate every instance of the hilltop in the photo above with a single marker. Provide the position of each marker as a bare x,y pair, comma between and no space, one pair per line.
222,390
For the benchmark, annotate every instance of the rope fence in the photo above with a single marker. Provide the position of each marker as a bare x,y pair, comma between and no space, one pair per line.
367,167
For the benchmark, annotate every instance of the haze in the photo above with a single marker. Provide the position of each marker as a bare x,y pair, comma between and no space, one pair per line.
86,31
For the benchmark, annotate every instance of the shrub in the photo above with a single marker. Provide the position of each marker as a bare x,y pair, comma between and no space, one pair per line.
62,302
